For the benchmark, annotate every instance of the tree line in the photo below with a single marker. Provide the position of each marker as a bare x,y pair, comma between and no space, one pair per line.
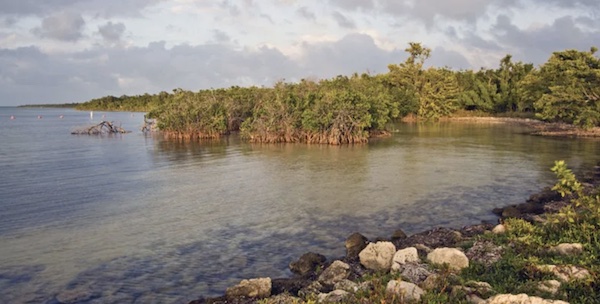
350,109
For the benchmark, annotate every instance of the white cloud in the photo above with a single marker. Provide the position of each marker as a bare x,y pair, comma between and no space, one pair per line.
92,48
105,8
306,13
112,32
343,21
64,26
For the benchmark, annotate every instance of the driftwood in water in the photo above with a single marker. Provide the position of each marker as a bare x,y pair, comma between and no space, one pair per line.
104,127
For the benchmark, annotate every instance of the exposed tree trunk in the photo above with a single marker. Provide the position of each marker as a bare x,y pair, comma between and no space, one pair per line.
104,127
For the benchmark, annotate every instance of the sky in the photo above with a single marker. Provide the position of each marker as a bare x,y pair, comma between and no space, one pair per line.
63,51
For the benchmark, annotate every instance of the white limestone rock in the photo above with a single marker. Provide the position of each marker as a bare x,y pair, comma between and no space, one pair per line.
520,299
567,249
378,256
406,291
335,273
253,288
455,258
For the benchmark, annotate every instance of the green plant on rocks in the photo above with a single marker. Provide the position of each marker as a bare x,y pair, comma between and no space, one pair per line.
528,246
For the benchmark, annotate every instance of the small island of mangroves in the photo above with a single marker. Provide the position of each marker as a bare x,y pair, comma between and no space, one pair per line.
351,109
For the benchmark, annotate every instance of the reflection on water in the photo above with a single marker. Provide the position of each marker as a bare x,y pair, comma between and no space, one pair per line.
137,218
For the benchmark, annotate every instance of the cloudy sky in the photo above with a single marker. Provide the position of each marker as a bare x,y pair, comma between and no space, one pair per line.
56,51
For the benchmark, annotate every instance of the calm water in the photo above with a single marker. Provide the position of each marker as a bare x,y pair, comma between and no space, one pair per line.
136,219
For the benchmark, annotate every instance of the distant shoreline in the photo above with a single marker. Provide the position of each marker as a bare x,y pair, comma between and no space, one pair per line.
538,127
60,105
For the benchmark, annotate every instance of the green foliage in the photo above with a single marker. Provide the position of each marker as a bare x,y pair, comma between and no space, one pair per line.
438,94
433,92
139,103
333,111
205,114
495,91
350,109
567,182
567,88
583,212
508,81
477,91
508,275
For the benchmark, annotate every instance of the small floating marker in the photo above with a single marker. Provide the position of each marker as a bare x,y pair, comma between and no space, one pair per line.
91,114
39,116
12,117
61,116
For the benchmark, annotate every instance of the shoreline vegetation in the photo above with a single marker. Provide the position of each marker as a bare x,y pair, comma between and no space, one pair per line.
537,127
564,91
543,251
51,105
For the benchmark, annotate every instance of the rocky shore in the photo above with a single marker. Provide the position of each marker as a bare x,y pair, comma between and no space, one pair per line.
417,263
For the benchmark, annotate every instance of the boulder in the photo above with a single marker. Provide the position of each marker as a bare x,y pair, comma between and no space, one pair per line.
353,287
485,252
566,273
567,249
511,211
544,196
556,206
406,291
336,296
455,258
456,236
431,282
378,256
355,243
499,229
281,299
414,272
406,255
288,285
307,263
549,286
480,288
531,207
474,291
475,299
335,273
346,285
473,230
520,299
311,291
253,288
357,270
